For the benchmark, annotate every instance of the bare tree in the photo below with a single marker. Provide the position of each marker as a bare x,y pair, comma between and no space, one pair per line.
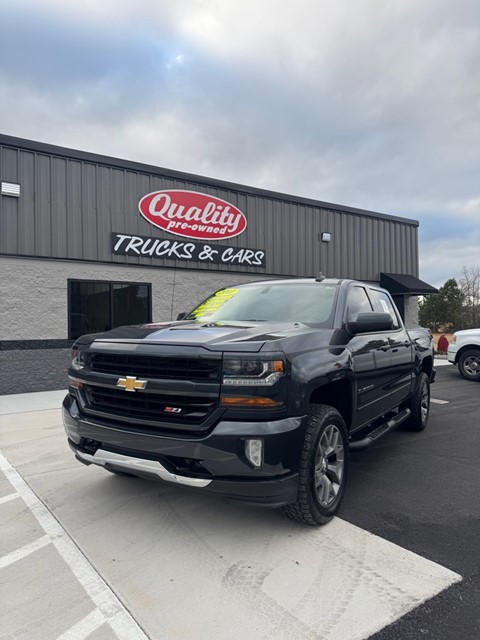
470,285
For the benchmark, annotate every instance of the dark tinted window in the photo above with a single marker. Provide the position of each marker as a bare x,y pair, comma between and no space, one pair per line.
100,306
131,304
384,304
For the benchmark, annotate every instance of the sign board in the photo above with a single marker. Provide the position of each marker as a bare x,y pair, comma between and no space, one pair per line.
192,214
133,245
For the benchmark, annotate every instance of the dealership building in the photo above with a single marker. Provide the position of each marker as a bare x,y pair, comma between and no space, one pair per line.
89,242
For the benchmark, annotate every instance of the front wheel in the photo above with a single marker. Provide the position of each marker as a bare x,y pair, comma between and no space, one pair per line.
323,467
469,365
420,404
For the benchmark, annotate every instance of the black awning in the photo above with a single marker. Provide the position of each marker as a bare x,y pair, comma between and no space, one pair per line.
400,283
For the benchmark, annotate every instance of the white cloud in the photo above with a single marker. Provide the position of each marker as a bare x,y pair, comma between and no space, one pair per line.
469,208
444,259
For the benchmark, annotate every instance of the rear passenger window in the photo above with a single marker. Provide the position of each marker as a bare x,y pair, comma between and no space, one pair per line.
357,302
384,304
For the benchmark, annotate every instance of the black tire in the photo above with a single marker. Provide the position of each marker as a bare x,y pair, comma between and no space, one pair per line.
469,365
419,405
323,470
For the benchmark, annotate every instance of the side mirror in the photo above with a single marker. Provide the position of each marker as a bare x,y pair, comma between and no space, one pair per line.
181,315
370,323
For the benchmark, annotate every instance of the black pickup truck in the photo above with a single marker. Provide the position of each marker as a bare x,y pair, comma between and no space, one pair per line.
257,395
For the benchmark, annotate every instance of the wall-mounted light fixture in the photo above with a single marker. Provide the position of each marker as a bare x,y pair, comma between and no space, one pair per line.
10,189
326,237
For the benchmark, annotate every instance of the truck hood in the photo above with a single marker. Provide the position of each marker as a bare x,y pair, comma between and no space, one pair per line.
215,336
468,332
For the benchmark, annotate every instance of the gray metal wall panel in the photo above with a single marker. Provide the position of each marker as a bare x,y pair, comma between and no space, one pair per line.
43,206
59,207
69,207
8,205
104,188
9,226
10,164
26,204
74,210
89,212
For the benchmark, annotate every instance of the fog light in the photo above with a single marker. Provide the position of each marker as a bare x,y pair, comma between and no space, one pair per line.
254,451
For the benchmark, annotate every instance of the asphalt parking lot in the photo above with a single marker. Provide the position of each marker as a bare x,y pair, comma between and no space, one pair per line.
422,492
85,554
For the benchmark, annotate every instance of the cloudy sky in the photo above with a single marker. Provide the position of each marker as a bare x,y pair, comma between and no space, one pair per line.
373,104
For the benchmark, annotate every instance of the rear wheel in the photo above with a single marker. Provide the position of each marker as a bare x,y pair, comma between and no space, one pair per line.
469,365
323,467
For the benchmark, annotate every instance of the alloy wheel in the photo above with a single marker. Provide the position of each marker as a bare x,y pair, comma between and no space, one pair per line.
329,461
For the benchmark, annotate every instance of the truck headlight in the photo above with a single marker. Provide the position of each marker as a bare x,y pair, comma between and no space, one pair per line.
79,359
262,373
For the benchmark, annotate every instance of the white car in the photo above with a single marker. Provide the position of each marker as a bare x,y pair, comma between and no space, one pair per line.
465,352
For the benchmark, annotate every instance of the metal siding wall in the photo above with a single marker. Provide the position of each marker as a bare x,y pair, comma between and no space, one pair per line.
104,188
372,248
68,208
9,206
59,207
414,259
26,204
74,210
375,248
326,248
89,212
43,206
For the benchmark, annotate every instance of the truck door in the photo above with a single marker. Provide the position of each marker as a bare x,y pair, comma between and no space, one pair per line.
399,377
371,360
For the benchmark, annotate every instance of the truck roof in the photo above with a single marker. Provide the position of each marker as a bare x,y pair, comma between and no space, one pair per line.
292,281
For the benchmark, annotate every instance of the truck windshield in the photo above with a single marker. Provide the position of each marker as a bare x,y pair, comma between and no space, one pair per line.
310,303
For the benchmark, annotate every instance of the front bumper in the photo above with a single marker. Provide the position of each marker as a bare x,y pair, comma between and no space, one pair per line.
215,462
452,353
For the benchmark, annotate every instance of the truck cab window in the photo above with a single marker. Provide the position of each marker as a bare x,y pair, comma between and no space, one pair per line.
357,302
384,304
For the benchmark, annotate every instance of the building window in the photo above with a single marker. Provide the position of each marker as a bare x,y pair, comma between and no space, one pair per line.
99,306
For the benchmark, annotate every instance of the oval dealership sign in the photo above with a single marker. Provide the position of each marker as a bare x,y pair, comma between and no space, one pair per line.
192,214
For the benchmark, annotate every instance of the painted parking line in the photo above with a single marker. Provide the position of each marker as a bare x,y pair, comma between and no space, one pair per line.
107,604
9,498
23,552
436,401
85,627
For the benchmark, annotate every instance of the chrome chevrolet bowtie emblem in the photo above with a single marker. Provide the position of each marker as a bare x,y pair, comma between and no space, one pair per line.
130,383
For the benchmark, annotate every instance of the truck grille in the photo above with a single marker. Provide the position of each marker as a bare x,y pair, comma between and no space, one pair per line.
149,407
163,368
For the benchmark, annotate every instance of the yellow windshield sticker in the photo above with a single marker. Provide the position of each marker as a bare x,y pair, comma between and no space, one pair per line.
214,303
